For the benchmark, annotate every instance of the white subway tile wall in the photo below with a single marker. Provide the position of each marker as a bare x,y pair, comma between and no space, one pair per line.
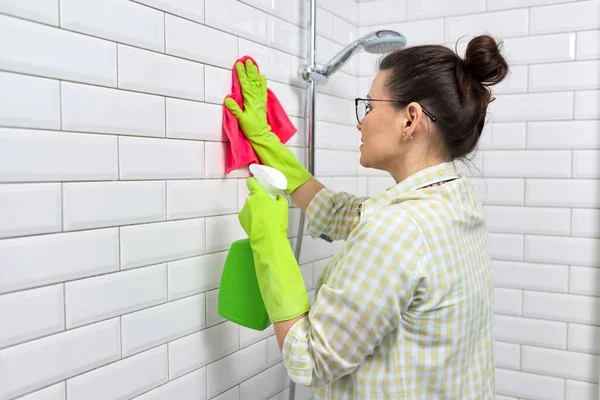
94,109
22,93
45,11
56,53
118,20
116,214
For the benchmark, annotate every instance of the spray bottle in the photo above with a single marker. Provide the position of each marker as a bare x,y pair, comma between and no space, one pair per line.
240,300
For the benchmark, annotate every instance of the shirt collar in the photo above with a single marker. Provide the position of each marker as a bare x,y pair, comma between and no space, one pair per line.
428,176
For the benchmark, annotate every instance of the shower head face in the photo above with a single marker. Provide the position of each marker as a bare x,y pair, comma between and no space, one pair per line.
377,42
383,42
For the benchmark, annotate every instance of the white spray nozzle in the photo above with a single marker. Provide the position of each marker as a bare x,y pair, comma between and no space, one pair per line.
271,179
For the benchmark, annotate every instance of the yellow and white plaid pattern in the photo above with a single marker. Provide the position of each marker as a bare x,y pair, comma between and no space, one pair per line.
405,309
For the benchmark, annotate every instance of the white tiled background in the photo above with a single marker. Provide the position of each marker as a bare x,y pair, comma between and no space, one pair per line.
115,214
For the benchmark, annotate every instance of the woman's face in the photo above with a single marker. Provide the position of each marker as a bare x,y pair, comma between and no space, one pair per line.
381,129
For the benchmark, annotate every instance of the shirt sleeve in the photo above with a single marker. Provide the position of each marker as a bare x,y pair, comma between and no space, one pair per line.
330,214
361,302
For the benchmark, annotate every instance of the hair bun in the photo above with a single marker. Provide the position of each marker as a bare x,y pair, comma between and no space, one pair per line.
484,62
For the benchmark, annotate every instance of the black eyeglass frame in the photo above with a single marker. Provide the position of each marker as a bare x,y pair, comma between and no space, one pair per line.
357,99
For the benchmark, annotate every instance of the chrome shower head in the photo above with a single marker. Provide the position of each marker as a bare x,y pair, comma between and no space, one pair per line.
375,42
382,41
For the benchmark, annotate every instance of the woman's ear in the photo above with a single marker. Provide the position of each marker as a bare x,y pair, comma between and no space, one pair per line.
415,117
410,121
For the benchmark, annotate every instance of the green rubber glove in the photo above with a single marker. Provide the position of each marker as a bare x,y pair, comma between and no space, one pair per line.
265,221
253,121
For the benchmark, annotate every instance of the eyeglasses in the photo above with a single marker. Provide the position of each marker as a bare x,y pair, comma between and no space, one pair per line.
363,107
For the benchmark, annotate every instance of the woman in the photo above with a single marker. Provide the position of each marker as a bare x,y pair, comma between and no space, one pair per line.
405,309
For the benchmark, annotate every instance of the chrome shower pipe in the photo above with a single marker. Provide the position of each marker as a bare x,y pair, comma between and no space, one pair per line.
311,91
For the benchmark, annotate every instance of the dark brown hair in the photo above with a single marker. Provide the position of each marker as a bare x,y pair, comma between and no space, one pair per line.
454,90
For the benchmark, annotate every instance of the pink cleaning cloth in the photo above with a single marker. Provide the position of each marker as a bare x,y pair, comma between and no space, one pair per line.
239,151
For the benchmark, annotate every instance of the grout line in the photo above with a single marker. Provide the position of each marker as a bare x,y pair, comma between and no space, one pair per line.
120,266
572,163
166,116
567,337
571,224
206,325
167,361
227,178
293,83
312,261
42,388
527,147
263,370
64,288
165,33
98,228
540,346
575,46
120,321
117,61
62,207
55,333
263,43
118,157
60,105
170,138
520,356
167,268
119,360
169,380
166,199
204,225
574,105
121,335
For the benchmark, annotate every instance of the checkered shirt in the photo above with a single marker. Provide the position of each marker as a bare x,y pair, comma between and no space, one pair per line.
405,309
